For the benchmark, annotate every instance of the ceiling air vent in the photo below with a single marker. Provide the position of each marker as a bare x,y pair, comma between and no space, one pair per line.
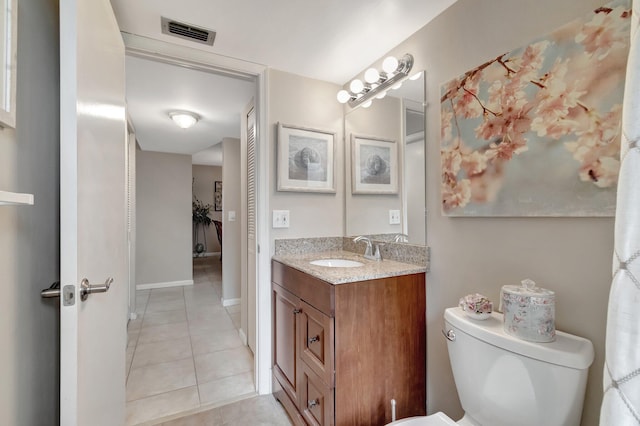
189,32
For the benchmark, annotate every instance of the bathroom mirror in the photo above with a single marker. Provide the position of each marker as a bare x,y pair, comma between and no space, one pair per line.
8,43
398,117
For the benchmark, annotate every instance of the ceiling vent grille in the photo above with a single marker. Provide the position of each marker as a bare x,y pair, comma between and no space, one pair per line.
186,31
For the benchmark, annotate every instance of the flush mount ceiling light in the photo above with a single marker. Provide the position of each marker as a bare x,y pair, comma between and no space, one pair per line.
376,83
184,119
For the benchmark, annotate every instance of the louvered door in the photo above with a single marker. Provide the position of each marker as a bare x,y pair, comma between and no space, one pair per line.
251,228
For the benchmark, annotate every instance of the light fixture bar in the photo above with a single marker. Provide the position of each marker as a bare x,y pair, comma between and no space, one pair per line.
387,80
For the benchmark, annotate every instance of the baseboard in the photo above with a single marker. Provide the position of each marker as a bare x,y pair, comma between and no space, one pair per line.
209,254
151,286
229,302
243,337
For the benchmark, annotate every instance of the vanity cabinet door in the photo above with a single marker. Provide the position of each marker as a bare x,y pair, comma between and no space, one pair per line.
317,342
286,309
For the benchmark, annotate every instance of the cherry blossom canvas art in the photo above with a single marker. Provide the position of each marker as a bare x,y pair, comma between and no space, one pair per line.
536,131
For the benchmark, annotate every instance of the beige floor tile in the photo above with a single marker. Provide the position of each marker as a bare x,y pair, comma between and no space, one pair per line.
164,317
160,378
158,406
158,333
226,388
235,319
129,359
134,325
215,341
233,308
262,410
206,313
132,337
159,352
229,362
161,306
166,294
206,326
206,418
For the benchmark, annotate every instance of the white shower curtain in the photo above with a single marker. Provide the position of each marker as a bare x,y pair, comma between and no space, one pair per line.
621,401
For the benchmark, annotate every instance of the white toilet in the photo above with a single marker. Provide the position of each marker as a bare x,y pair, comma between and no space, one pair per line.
506,381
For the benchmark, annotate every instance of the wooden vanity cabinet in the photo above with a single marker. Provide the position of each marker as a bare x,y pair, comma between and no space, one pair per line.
342,352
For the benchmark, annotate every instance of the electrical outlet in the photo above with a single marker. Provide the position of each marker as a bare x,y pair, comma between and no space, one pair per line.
281,218
394,217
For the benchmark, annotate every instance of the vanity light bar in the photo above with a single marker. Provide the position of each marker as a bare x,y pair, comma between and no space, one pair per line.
362,93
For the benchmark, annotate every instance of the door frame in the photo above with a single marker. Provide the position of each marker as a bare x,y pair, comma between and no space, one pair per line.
174,54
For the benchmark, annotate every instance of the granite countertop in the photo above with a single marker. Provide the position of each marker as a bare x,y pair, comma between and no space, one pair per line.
369,271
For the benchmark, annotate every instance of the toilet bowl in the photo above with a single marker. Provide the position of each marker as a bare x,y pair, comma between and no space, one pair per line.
503,380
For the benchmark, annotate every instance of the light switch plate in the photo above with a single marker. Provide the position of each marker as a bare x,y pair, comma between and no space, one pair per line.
281,218
394,217
232,216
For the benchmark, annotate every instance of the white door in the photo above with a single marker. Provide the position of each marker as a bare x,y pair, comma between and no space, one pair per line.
92,214
251,228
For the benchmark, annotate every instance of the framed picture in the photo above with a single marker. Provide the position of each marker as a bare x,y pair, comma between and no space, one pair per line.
374,165
217,196
306,159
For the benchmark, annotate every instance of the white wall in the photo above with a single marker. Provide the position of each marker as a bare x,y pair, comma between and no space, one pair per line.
231,259
569,255
304,102
163,213
203,187
30,235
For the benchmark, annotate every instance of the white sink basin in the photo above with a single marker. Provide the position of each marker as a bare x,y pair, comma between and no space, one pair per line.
337,263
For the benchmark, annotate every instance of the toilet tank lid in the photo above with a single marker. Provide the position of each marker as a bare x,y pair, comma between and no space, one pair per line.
567,350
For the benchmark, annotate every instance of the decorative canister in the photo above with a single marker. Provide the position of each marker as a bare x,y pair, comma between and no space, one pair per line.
529,311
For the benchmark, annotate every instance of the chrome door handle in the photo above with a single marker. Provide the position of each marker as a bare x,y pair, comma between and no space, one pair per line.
52,291
312,403
86,289
313,339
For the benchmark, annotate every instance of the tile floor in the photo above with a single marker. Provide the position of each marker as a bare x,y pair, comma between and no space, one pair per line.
184,354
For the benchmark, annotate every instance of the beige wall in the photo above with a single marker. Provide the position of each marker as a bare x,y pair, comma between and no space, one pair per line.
304,102
203,187
231,201
365,213
163,218
569,255
30,235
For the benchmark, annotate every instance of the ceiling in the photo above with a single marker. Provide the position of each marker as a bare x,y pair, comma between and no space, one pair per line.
331,40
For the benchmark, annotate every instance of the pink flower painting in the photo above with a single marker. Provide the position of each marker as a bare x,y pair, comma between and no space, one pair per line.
536,131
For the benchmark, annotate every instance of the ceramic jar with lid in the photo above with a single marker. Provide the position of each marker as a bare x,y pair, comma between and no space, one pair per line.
529,311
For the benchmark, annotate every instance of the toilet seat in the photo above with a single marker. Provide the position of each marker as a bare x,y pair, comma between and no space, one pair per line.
437,419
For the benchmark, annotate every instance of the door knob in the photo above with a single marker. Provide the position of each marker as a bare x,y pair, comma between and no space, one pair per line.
86,289
52,291
313,339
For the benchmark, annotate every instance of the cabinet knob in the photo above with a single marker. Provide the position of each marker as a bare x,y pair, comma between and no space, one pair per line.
312,403
297,311
313,339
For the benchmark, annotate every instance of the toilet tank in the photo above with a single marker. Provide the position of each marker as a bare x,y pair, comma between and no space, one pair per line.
506,381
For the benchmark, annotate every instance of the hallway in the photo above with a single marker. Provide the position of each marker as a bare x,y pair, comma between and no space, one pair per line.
184,352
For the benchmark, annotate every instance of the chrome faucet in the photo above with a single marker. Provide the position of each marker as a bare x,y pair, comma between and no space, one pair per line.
401,238
369,252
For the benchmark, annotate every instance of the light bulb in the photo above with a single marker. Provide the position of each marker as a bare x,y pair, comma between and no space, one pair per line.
397,86
390,64
371,75
343,96
366,104
381,95
356,86
416,76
